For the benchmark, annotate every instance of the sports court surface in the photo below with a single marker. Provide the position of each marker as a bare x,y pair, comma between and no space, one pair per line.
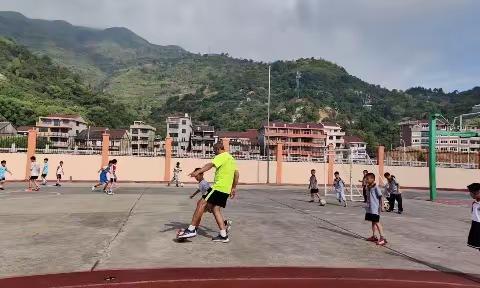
72,229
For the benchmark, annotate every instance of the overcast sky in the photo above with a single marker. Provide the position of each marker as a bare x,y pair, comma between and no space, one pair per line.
394,43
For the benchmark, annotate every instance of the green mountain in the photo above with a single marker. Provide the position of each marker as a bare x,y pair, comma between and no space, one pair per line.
150,82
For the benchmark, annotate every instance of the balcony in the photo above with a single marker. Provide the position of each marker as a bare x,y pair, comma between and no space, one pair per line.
294,135
53,134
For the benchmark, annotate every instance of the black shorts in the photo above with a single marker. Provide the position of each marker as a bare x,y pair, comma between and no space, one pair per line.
33,177
372,217
474,235
216,198
2,179
44,175
59,176
313,191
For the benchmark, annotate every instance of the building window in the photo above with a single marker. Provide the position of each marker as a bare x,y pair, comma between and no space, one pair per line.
330,137
443,149
78,124
453,141
184,131
173,126
464,149
453,149
464,142
443,141
184,122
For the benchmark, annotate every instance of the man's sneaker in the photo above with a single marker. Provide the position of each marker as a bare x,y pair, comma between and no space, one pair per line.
220,238
228,225
372,239
110,192
382,241
187,234
400,212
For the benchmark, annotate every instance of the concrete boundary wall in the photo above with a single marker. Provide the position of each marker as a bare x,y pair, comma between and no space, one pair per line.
152,169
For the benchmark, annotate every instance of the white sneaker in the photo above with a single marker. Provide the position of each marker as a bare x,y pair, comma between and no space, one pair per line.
110,192
93,188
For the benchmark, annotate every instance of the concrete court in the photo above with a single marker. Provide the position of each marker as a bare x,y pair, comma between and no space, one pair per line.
70,229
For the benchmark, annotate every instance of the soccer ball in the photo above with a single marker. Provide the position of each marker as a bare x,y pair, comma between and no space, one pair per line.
323,202
181,184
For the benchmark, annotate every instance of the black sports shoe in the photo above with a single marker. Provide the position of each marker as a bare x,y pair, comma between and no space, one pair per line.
220,238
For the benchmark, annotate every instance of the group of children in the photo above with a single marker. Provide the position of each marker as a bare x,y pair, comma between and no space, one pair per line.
108,177
372,197
35,173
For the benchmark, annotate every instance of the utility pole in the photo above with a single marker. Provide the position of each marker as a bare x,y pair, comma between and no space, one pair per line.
268,125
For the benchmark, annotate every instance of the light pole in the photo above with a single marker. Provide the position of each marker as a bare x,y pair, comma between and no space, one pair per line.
268,125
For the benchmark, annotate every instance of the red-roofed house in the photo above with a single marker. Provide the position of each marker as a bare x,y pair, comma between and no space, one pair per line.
242,142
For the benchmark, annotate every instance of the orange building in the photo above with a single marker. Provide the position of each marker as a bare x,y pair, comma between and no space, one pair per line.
298,139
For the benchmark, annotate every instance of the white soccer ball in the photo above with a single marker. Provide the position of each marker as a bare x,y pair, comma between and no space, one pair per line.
323,202
181,184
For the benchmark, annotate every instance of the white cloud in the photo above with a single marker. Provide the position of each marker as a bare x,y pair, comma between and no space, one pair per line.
397,44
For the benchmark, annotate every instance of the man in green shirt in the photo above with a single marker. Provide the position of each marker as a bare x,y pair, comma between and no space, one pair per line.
224,186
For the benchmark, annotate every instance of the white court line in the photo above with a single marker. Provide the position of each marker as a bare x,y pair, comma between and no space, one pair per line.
274,279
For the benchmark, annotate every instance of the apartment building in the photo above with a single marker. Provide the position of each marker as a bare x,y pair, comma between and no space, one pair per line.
203,138
242,143
299,139
335,135
414,134
142,136
60,129
179,128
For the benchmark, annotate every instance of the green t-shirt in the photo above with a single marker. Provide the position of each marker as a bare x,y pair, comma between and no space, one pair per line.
226,167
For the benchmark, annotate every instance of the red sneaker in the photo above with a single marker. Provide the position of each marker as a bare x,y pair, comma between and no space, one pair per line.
372,239
382,241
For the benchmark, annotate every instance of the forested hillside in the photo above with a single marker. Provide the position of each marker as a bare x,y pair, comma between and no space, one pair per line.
118,76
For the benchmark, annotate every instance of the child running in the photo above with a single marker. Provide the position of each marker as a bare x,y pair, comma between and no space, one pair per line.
313,186
176,175
474,235
3,171
104,178
59,173
34,173
339,187
373,209
204,188
45,171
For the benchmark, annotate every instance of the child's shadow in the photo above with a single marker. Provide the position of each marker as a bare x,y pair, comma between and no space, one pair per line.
173,226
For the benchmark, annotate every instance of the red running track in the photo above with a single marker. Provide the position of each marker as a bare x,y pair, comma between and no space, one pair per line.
277,277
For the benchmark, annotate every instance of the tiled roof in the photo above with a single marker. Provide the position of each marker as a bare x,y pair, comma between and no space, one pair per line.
249,134
96,133
353,139
59,115
24,128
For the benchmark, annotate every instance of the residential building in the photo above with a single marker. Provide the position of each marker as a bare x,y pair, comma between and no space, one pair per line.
142,136
203,138
357,146
414,134
7,129
179,128
60,129
92,138
242,143
299,139
334,133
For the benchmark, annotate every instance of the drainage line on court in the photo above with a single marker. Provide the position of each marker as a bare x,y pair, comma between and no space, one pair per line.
107,248
395,251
